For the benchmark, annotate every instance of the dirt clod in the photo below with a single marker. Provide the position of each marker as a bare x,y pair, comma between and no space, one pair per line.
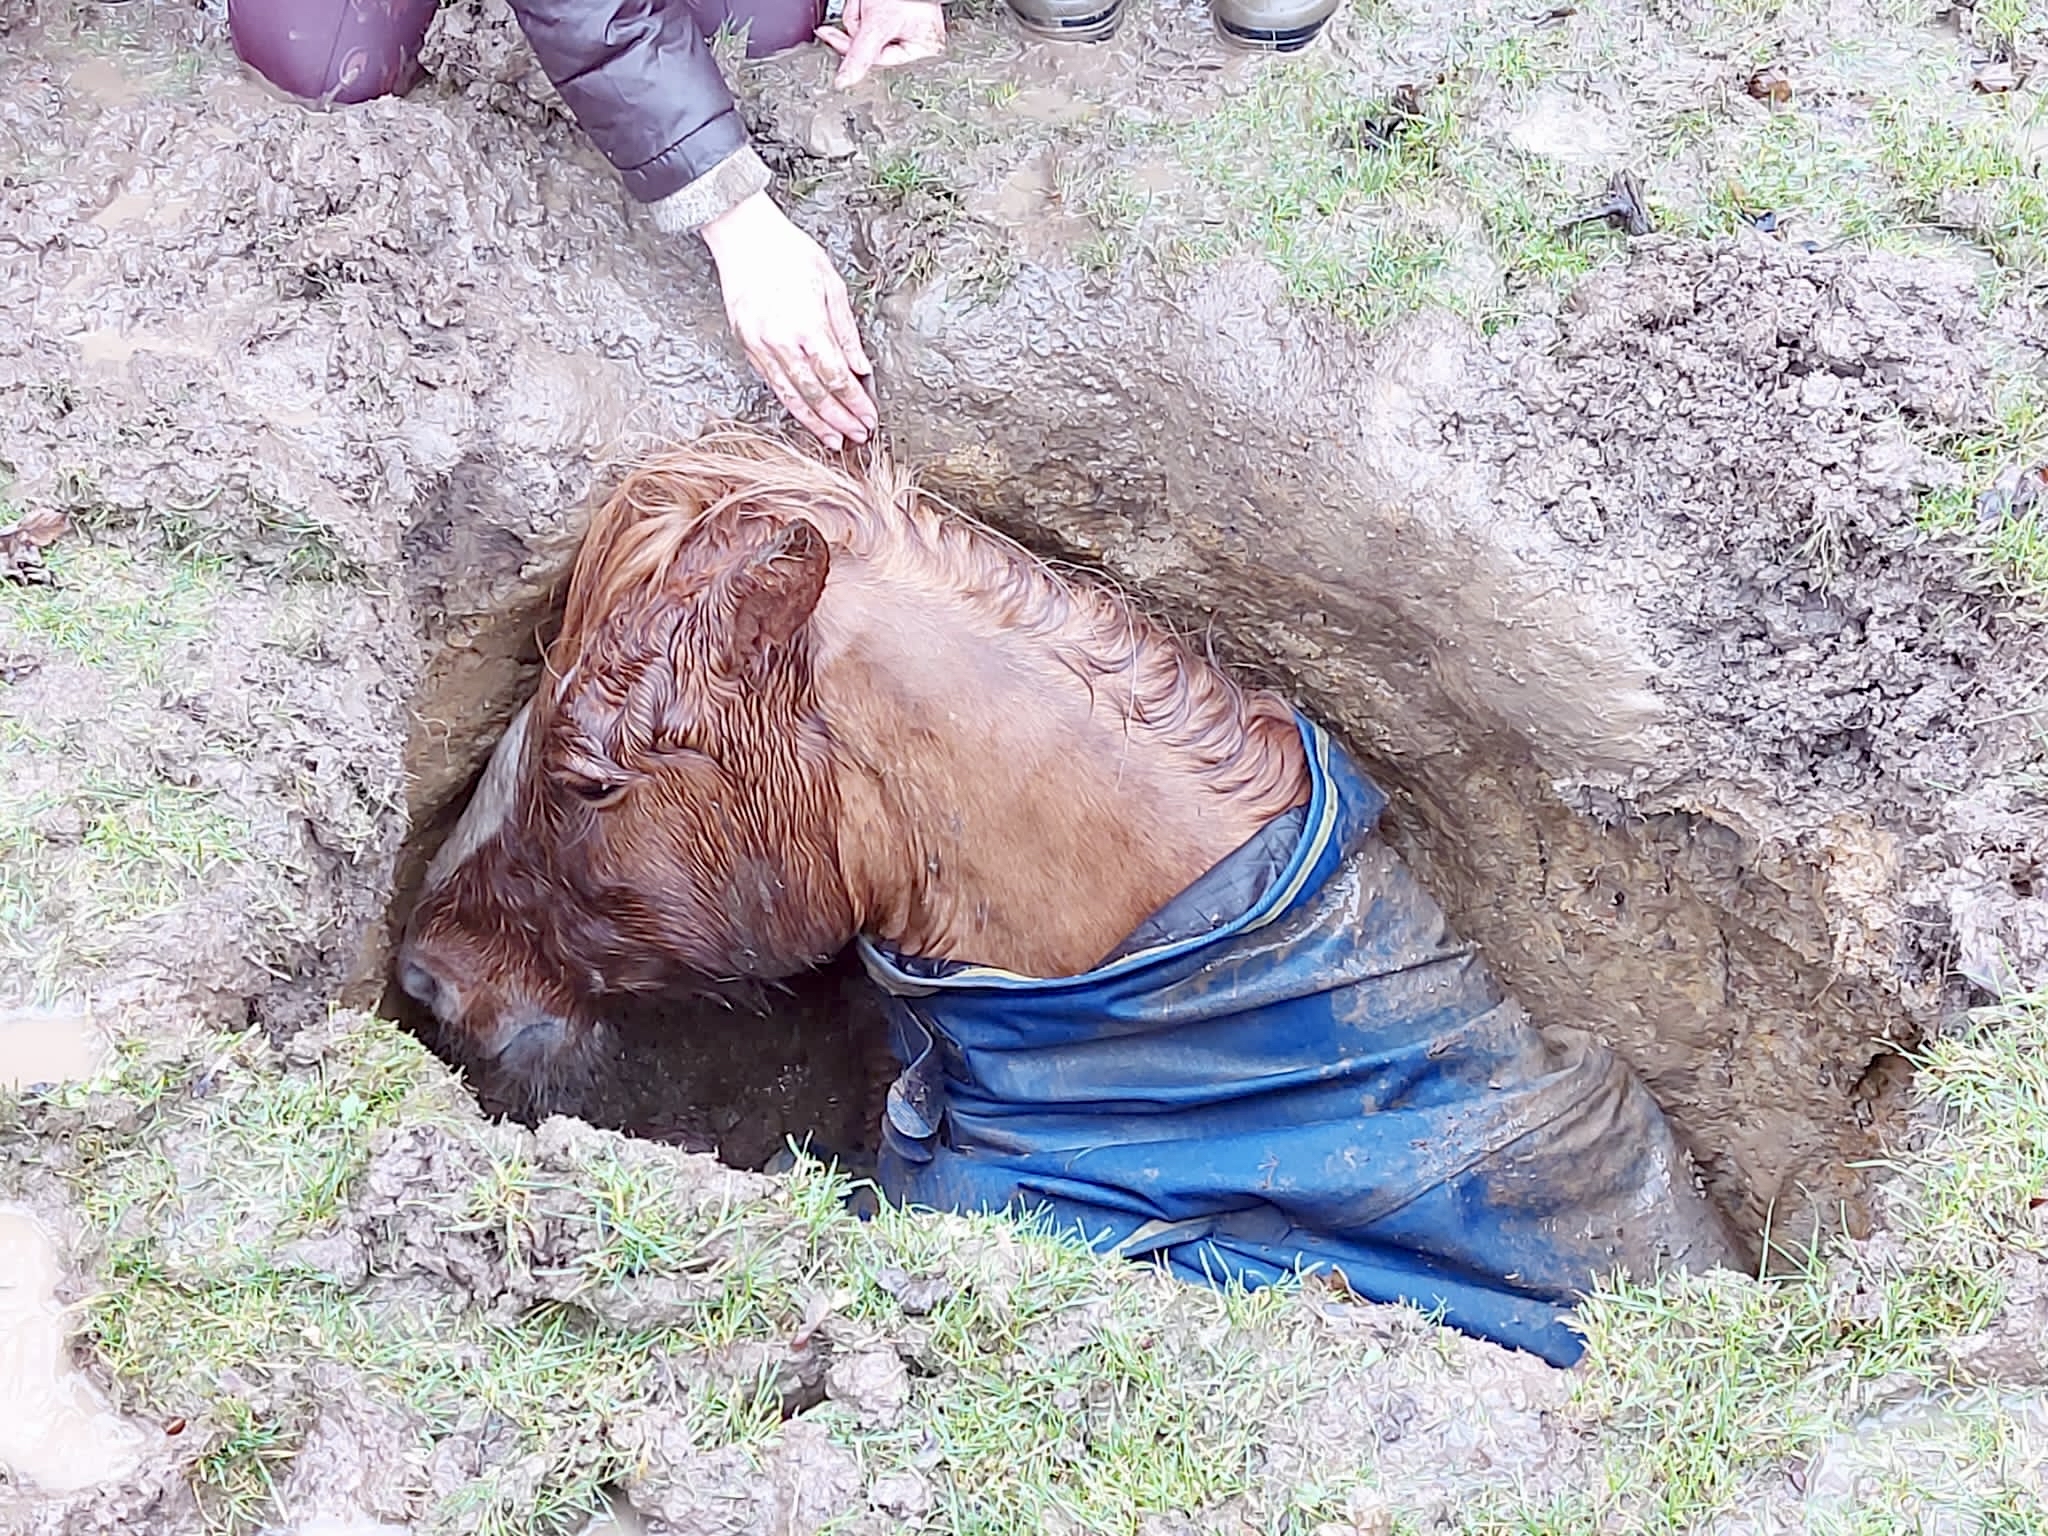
22,543
871,1382
904,1495
916,1294
1703,736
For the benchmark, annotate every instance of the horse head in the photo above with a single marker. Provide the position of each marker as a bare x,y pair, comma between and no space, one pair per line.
728,768
663,815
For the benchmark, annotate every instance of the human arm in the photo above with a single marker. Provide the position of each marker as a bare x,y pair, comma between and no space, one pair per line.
641,81
790,310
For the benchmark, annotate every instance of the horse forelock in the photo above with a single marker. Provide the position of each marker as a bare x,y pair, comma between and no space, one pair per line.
485,815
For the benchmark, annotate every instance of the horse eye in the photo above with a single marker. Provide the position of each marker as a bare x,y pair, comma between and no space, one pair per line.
596,792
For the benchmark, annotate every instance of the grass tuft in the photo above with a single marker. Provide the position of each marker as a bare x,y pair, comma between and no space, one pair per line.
2013,543
109,608
1974,177
1710,1383
235,1477
101,830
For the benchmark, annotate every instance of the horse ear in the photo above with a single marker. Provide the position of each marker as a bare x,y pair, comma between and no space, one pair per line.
775,591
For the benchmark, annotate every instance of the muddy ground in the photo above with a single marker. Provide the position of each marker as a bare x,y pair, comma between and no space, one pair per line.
1693,722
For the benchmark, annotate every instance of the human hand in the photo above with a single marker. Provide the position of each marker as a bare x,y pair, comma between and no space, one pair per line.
789,311
882,34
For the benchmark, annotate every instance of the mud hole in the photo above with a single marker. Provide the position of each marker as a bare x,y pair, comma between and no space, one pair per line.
1709,747
1662,930
1764,980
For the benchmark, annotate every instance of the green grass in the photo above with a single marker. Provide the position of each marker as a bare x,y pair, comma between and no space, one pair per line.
904,174
2011,26
1973,178
1880,145
111,608
1328,186
2013,545
1706,1382
83,862
220,530
236,1475
930,205
94,836
1815,180
1041,1426
1906,171
1067,1393
201,1316
1367,205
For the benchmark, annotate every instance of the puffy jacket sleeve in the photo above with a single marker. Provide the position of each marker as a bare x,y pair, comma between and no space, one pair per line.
641,81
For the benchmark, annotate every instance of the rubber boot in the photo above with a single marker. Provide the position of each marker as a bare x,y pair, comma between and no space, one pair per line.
332,52
1271,26
1069,21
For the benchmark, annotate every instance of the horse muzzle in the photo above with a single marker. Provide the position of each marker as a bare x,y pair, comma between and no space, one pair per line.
523,1040
526,1045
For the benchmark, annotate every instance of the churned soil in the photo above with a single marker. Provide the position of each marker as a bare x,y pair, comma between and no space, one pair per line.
1710,743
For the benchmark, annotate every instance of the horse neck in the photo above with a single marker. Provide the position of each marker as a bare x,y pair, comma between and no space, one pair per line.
1025,778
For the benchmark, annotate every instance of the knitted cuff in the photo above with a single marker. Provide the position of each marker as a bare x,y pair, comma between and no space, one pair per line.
719,190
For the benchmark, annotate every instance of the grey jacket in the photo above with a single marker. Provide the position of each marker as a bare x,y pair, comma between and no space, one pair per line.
641,81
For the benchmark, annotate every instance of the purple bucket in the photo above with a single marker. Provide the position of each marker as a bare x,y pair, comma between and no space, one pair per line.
333,52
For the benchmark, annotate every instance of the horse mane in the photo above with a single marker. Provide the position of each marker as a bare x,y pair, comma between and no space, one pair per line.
879,512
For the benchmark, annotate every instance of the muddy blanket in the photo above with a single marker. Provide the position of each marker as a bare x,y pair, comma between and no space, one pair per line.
1296,1067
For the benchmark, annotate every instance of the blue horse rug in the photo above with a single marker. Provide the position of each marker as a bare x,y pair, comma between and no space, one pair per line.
1295,1067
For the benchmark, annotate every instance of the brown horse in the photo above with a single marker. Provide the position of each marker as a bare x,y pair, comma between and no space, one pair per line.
793,701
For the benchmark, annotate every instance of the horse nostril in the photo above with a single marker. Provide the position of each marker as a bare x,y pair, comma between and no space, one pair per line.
418,983
522,1047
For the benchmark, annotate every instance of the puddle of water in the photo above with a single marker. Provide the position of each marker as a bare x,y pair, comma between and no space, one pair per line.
116,348
104,81
57,1432
48,1045
1054,107
617,1518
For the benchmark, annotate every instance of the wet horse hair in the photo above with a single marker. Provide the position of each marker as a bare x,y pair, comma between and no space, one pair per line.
795,699
669,509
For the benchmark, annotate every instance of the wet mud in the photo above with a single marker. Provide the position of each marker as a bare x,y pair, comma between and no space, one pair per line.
57,1432
61,1435
1710,749
48,1045
803,1065
1629,607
